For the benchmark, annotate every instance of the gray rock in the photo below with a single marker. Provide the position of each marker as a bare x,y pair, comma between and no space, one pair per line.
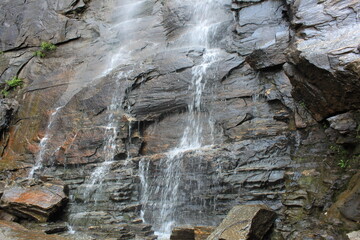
354,235
245,222
344,123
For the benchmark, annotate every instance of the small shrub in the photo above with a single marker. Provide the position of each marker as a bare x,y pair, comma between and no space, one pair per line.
14,82
39,54
47,46
1,52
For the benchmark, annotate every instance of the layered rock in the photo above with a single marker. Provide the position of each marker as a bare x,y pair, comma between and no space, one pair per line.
35,202
269,148
14,231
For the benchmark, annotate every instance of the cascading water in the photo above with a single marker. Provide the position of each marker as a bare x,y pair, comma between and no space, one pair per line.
43,146
120,36
111,132
162,198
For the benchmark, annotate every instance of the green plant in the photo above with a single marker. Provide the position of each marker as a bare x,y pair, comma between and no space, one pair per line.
325,125
1,52
39,54
341,155
47,46
343,163
302,103
4,92
14,82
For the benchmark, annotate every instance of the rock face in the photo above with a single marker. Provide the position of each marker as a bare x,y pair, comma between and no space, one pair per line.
8,108
35,202
14,231
245,222
279,111
348,203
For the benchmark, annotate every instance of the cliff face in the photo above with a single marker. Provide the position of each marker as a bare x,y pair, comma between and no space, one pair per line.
279,107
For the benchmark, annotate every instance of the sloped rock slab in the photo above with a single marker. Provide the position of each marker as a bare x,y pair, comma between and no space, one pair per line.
245,222
38,202
14,231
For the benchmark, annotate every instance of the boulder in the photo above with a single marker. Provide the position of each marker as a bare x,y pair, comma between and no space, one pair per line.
344,123
245,222
38,202
14,231
354,235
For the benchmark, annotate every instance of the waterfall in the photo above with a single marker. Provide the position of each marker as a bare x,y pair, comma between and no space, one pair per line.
44,142
109,149
162,197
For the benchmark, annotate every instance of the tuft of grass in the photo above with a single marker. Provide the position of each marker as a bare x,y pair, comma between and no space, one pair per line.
47,46
14,82
39,54
343,163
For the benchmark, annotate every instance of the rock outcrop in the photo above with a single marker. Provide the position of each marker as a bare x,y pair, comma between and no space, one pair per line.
14,231
245,222
39,202
280,106
348,202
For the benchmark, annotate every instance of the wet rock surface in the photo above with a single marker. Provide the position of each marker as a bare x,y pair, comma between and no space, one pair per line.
282,67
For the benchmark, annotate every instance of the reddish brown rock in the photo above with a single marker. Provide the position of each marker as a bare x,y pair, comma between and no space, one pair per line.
36,202
14,231
202,233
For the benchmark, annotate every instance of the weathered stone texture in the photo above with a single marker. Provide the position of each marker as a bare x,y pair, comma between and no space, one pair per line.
35,202
282,67
245,222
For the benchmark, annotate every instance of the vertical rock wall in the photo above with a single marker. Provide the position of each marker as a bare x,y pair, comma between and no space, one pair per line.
284,100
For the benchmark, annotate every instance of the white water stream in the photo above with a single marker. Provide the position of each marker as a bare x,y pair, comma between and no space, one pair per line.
44,142
164,211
